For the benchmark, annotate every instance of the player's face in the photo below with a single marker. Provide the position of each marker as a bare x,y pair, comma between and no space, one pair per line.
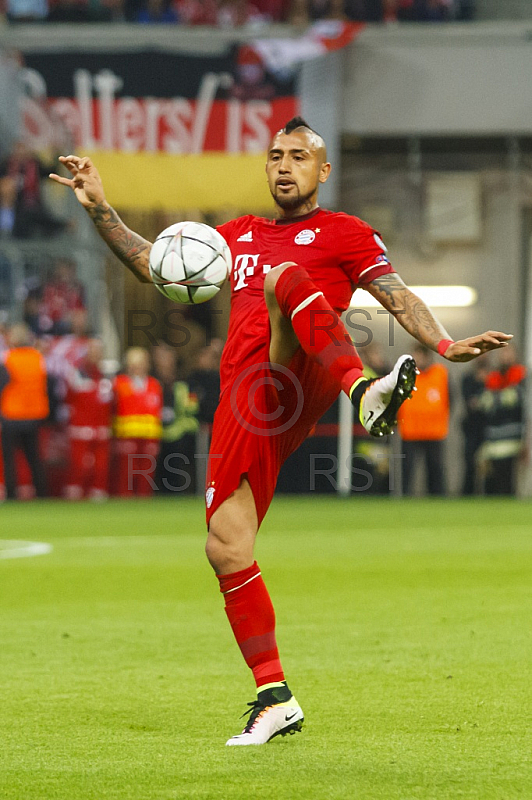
297,164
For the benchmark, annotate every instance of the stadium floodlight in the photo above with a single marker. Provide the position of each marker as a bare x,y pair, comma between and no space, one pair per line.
433,296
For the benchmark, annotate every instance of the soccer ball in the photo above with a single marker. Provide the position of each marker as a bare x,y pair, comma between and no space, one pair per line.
189,262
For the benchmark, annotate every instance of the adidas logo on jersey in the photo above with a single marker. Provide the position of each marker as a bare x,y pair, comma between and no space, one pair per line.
246,237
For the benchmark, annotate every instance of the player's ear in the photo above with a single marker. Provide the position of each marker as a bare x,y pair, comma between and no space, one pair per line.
325,171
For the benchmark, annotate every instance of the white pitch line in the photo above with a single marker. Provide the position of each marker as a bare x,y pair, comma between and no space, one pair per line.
117,541
19,549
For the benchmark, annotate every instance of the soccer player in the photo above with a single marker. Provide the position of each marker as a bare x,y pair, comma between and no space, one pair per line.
286,359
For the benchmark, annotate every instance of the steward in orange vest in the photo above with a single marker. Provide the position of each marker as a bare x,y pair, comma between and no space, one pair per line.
138,408
424,423
426,415
24,405
137,425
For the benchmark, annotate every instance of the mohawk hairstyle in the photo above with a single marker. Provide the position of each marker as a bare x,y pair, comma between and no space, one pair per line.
297,122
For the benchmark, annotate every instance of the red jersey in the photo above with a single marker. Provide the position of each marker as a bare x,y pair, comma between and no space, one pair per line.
60,298
339,252
90,402
66,352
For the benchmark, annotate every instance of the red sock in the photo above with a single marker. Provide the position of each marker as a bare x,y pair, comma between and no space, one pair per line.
250,612
318,327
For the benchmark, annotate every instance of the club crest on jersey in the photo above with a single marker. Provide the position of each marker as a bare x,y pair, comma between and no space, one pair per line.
305,237
209,496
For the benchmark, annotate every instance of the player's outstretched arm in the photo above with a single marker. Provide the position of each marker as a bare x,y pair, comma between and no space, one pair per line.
86,183
416,318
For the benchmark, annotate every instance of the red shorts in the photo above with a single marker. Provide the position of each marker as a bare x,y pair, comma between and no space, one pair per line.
261,419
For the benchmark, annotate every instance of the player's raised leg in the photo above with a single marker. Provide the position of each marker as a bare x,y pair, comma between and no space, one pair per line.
300,315
231,538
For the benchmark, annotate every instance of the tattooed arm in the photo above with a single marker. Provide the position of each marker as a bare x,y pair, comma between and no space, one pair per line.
131,249
408,309
416,318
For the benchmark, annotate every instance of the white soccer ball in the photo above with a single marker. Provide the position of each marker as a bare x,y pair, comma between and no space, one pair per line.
189,262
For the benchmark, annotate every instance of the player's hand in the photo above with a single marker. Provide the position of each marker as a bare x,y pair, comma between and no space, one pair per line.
85,181
474,346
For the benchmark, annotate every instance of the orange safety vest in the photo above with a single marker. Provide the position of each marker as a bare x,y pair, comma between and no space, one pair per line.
426,415
25,397
138,413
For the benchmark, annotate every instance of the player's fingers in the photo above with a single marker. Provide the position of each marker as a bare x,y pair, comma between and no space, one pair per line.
487,339
491,340
75,163
484,341
72,159
69,162
70,165
60,179
467,349
504,337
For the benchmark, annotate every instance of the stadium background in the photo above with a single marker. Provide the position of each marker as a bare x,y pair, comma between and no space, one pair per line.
429,129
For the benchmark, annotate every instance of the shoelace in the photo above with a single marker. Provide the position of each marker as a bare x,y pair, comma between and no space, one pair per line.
254,711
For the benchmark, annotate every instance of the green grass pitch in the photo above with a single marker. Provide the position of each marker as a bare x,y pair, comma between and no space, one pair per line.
404,629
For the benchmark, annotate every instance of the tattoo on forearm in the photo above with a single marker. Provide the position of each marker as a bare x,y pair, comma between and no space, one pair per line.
132,250
409,310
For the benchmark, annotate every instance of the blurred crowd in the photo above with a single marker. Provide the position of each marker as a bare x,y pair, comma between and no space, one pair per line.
73,427
23,211
70,425
232,13
492,404
74,424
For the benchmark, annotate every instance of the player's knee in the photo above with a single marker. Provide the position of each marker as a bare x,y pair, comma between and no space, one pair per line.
227,551
212,550
219,549
273,276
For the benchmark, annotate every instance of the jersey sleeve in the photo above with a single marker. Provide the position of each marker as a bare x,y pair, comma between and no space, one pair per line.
364,254
226,229
234,227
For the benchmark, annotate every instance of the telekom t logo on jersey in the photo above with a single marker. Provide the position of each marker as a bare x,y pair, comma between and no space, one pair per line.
245,266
